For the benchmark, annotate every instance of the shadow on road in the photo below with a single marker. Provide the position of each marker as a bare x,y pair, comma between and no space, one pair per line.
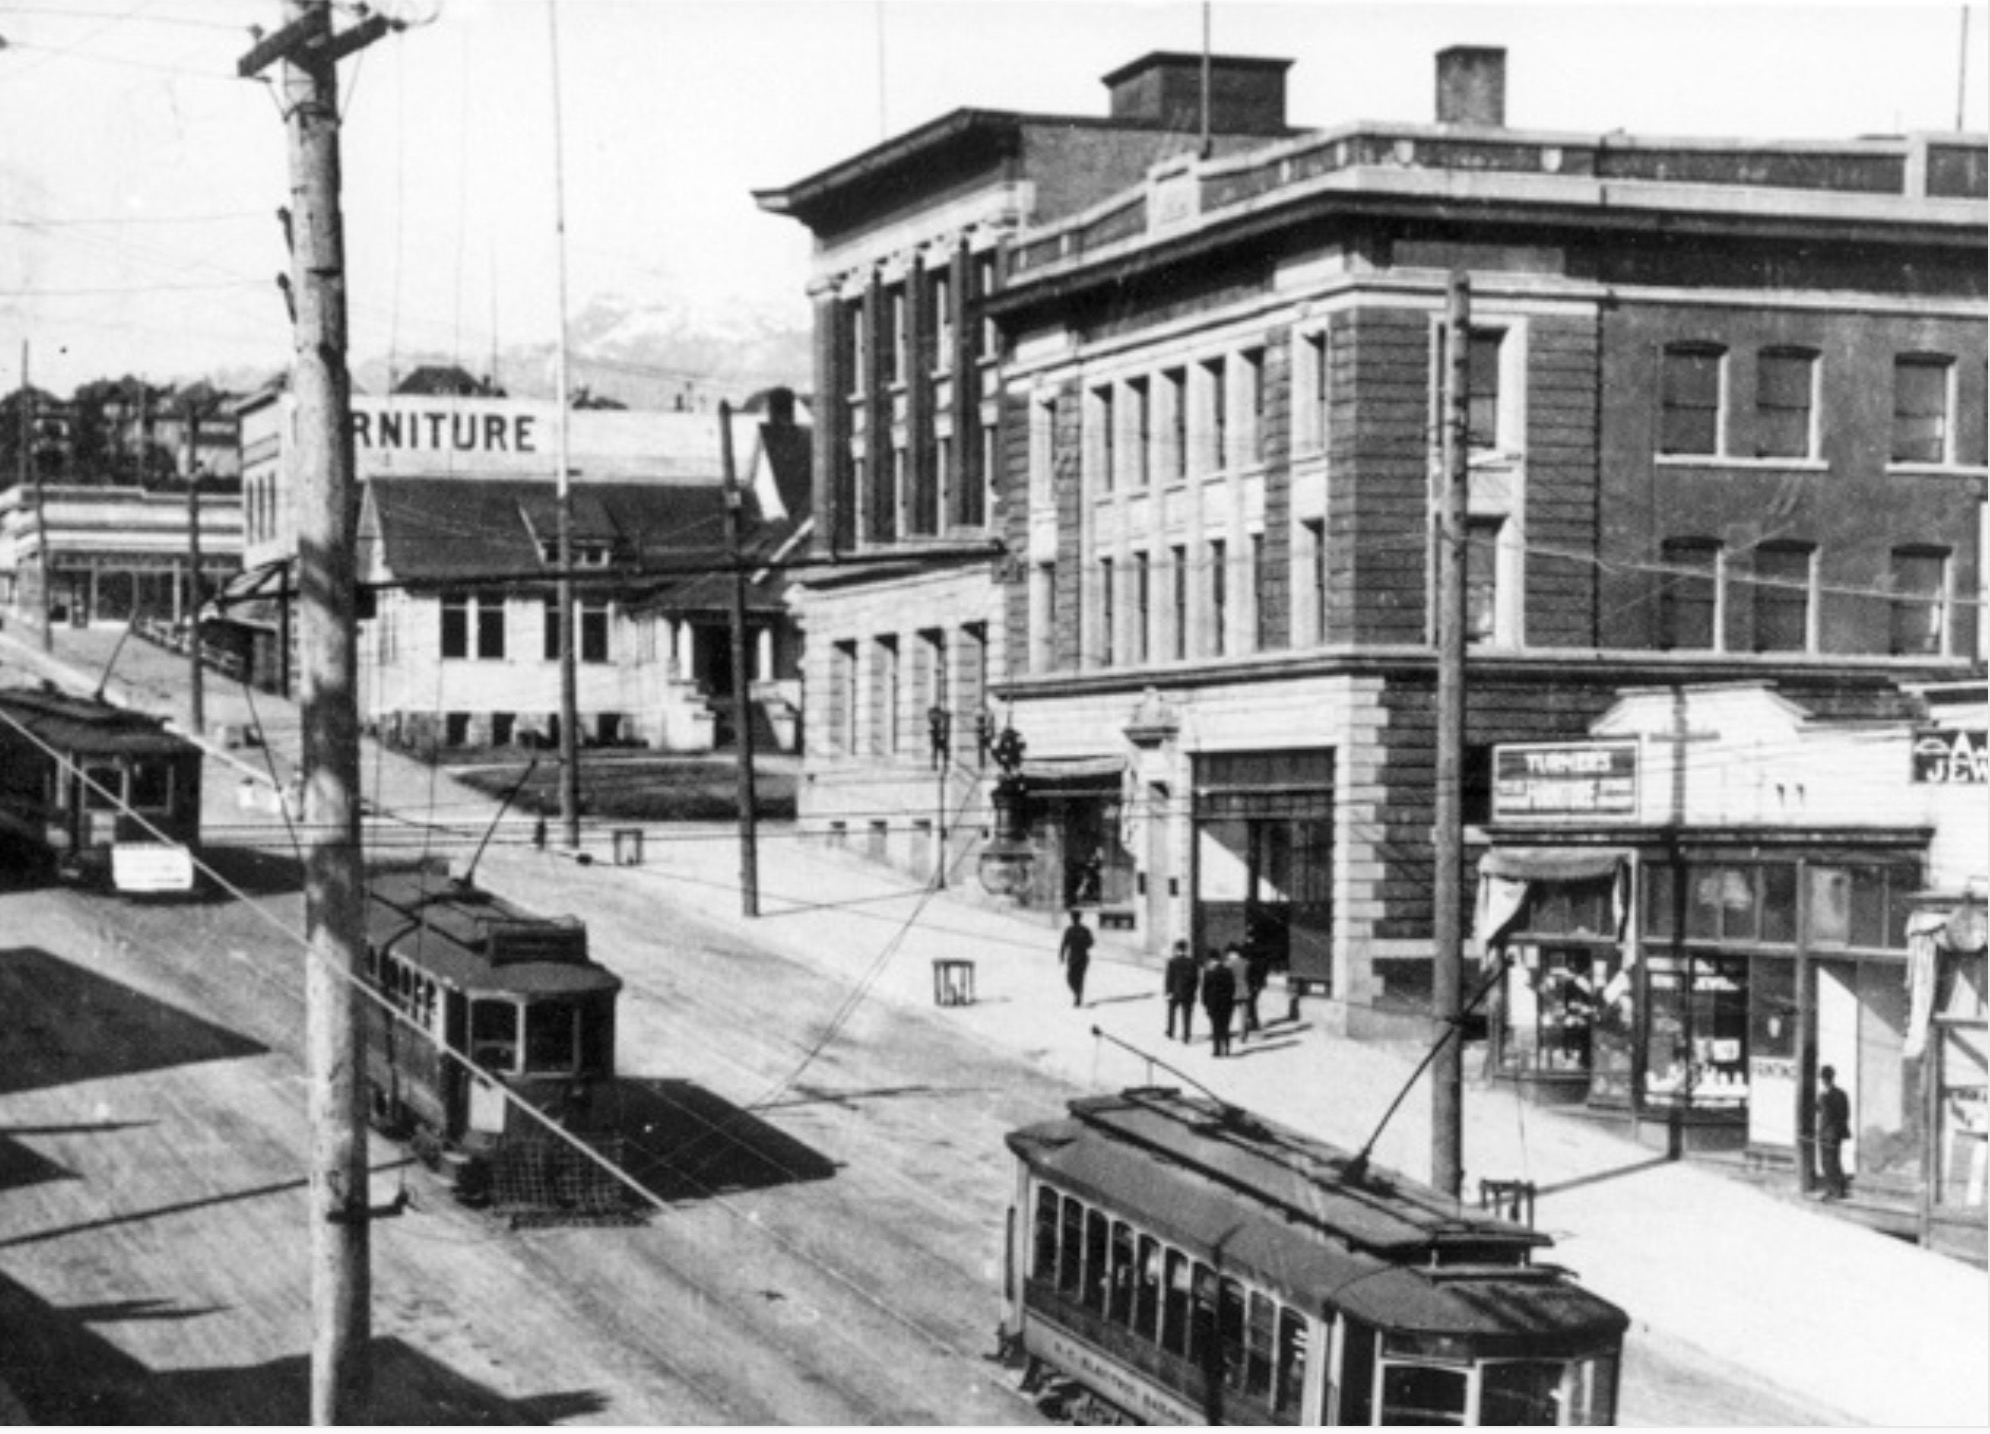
251,871
63,1371
65,1024
684,1143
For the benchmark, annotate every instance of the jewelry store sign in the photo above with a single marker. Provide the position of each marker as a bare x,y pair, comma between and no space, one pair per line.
1951,757
1533,781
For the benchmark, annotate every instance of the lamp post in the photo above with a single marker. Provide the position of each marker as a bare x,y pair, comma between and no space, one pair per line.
1007,858
939,726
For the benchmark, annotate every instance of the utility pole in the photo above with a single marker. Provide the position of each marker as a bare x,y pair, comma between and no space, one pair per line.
31,482
563,480
195,673
334,866
1447,886
742,680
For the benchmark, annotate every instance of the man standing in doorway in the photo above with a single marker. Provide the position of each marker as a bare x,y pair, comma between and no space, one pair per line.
1076,954
1834,1128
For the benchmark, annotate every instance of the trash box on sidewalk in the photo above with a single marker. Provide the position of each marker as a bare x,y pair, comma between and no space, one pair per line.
953,982
629,846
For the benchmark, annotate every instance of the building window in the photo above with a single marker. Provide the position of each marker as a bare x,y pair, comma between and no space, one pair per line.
1783,576
1215,446
1921,384
1689,595
1689,399
549,629
594,629
1043,616
1219,597
1482,586
894,337
1315,360
1314,554
1482,424
455,625
1178,603
1252,406
856,355
1139,400
884,697
1260,607
1043,431
1143,576
842,696
1099,451
984,286
1107,611
1785,385
1920,581
939,302
472,627
974,486
1175,388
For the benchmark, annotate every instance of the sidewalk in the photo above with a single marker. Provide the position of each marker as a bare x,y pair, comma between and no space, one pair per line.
1848,1320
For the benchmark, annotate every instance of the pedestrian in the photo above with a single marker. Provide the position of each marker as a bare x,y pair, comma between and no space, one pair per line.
1834,1128
1240,984
1257,971
1219,996
1180,983
1076,953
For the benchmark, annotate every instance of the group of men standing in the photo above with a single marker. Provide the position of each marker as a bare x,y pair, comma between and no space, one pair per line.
1226,984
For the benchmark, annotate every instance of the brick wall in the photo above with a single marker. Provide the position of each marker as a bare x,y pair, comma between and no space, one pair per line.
1562,487
1378,521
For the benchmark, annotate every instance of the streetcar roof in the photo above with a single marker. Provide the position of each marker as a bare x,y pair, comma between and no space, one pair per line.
477,943
83,726
1249,1195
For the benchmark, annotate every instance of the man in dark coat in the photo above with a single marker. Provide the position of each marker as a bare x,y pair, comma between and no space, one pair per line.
1834,1128
1076,953
1219,998
1180,985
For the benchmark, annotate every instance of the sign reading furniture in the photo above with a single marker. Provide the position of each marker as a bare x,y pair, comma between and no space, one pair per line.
1536,780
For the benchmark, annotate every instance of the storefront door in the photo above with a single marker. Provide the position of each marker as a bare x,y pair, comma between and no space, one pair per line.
1838,1044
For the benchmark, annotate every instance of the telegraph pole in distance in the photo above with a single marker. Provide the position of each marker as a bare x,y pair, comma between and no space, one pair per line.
31,482
742,681
195,674
334,866
562,487
1447,887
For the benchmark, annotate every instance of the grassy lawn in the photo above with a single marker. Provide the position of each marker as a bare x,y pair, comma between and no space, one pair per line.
640,786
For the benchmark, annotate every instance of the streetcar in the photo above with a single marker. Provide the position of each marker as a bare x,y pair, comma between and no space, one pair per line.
490,1045
1175,1261
104,793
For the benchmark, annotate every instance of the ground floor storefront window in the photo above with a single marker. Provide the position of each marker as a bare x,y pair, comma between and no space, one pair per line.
1263,857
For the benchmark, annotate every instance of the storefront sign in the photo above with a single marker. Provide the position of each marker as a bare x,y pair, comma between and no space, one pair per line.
1949,757
1537,780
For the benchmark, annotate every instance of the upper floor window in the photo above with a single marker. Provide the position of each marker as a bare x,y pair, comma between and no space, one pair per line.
1482,586
1689,594
1219,597
1482,424
984,286
1043,433
1785,386
1140,423
894,338
594,630
1099,431
855,352
1215,439
1920,580
1175,384
1108,611
1689,398
940,304
1783,579
1313,356
1252,406
1921,394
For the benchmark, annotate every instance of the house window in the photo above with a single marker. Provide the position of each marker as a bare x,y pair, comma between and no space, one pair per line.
1921,408
1689,399
455,625
1785,380
1482,424
1219,597
472,626
1688,595
549,609
594,630
1783,575
1918,626
1482,592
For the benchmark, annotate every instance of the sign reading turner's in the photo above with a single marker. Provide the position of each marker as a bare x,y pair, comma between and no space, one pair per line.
1537,780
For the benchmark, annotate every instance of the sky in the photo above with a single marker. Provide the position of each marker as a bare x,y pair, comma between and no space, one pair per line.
139,177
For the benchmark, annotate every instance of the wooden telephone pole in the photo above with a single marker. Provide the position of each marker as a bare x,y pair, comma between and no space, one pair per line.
1447,886
334,866
196,675
742,682
31,483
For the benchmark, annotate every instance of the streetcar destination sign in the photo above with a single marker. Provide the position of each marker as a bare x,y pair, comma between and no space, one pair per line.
1535,780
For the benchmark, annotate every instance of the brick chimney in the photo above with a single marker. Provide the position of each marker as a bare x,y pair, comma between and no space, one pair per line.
1246,96
1471,86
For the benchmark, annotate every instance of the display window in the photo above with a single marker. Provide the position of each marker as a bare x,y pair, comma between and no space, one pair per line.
1548,1016
1696,1032
1962,1093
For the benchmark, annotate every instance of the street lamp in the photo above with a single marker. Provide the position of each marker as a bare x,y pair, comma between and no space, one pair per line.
1006,859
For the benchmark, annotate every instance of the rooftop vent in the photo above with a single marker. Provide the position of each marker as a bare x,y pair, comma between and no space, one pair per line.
1246,96
1471,86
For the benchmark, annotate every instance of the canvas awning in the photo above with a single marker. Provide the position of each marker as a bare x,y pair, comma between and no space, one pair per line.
1508,874
1042,772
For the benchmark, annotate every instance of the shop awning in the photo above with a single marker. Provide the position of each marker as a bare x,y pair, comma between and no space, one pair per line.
1073,771
1942,923
1547,863
252,598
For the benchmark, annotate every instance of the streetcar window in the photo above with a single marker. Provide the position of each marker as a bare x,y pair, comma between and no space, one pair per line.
103,789
1071,1247
1230,1333
1357,1373
1202,1345
494,1035
1291,1362
1094,1292
549,1037
1423,1394
151,786
1147,1302
1591,1389
1257,1346
1044,1265
1521,1391
1174,1305
1120,1310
